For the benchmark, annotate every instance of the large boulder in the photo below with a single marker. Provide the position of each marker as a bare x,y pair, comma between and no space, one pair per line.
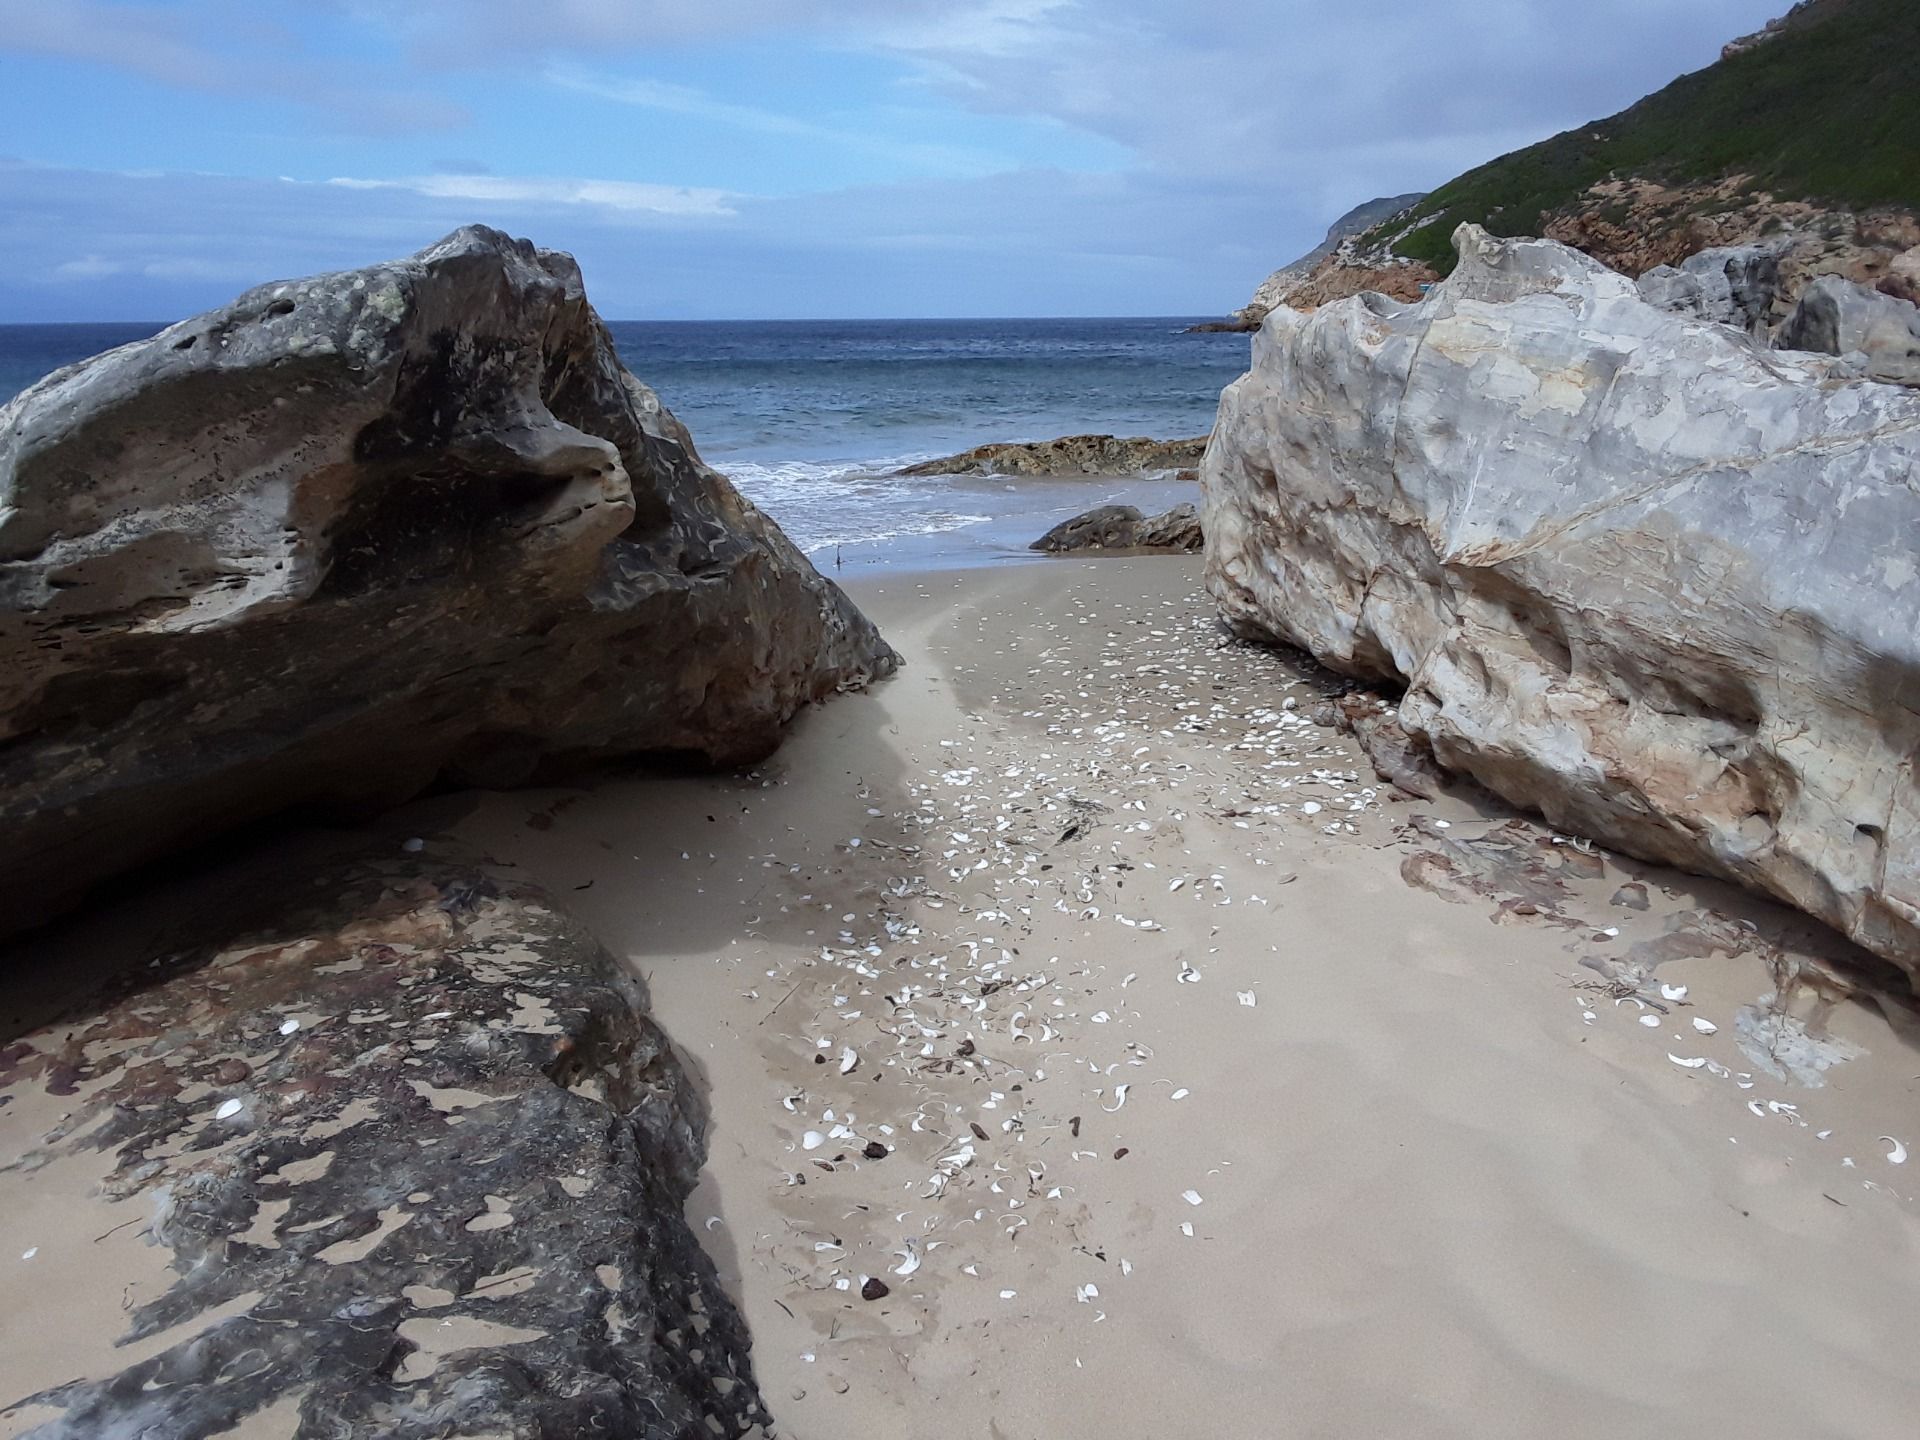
407,1157
1880,333
355,534
1728,284
1633,571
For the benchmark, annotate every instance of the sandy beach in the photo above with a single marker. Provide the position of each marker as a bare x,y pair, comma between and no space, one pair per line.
1095,1047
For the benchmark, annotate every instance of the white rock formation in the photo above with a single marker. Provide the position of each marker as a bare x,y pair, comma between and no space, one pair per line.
1634,571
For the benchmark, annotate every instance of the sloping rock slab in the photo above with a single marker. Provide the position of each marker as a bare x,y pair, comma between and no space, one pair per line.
353,534
1069,455
420,1158
1124,527
1633,571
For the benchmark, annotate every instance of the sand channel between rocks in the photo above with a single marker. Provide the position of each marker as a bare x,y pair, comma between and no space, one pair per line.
1071,990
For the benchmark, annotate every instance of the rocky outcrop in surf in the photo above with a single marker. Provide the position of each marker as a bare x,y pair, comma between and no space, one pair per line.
1069,455
355,535
1632,571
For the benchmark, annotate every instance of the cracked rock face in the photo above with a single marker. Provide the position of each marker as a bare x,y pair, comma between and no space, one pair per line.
418,1157
1633,571
355,534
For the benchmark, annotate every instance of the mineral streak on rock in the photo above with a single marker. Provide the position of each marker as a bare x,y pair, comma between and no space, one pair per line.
450,1179
1069,455
354,534
1633,571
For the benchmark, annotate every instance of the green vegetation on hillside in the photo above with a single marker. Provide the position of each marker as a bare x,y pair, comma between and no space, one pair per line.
1828,111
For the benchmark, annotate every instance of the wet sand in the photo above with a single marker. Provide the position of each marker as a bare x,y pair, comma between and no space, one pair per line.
1173,1075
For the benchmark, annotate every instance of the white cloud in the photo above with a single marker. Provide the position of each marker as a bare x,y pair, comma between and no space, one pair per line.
687,100
627,196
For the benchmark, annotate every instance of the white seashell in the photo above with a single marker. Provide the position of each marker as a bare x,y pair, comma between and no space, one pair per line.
1086,1293
1119,1099
1673,992
909,1260
1650,1021
1192,1197
287,1027
812,1140
1705,1027
1246,998
227,1110
1008,1294
1180,1094
1897,1155
1186,1229
848,1059
1312,807
1693,1064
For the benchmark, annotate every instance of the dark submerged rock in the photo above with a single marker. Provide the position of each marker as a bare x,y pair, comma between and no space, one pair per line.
1123,527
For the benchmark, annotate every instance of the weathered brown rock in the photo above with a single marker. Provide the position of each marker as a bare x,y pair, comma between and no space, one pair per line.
355,534
444,1198
1124,527
1069,455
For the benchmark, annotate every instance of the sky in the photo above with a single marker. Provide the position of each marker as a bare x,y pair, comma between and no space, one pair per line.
771,159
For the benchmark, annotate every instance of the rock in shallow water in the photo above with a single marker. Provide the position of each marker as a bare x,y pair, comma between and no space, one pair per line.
1634,572
1123,527
353,534
444,1199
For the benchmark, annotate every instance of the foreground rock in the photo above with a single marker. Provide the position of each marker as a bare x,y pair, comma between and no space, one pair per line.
1633,572
355,534
1123,527
419,1158
1879,332
1069,455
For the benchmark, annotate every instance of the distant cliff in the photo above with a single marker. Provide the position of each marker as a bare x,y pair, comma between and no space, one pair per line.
1280,286
1800,138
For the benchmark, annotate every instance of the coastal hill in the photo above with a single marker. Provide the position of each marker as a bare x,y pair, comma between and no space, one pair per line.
1799,136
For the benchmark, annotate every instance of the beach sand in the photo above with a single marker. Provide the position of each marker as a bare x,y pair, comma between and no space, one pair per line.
1175,1076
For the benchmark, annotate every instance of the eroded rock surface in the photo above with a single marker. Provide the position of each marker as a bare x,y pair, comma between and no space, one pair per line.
353,534
1633,571
1124,527
1069,455
419,1158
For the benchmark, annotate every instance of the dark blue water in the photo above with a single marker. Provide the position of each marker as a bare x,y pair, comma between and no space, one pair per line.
812,419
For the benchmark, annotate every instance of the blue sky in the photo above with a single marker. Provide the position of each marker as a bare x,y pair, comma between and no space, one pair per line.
773,158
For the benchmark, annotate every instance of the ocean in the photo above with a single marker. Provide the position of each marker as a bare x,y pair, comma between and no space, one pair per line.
813,419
